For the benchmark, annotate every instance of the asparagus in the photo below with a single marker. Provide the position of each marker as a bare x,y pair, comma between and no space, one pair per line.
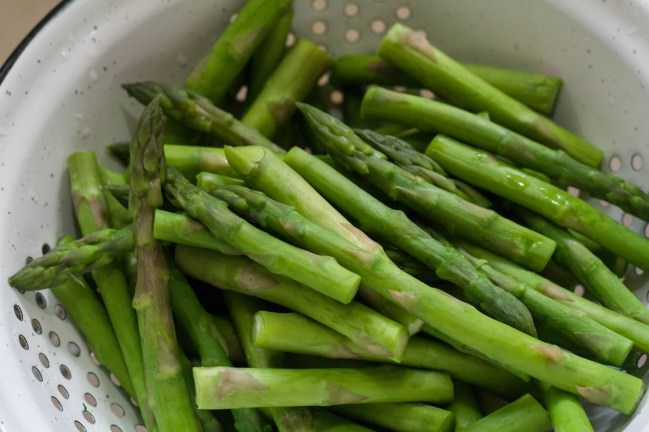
190,160
627,327
437,205
498,342
591,270
577,328
290,82
216,73
410,265
269,54
227,388
201,328
91,213
401,417
566,413
537,91
479,167
207,420
166,388
198,113
242,309
208,181
231,342
364,326
324,421
410,51
321,273
431,116
464,406
411,323
524,415
616,264
290,332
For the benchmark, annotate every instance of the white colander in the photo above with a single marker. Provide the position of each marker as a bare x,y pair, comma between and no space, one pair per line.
60,93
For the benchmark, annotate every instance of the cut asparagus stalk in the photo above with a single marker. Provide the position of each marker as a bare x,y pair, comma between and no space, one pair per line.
290,332
481,168
410,51
566,413
627,327
290,82
91,213
401,417
464,406
166,390
216,73
321,273
523,415
500,343
601,281
228,388
242,310
197,112
269,54
448,263
433,116
537,91
190,160
364,326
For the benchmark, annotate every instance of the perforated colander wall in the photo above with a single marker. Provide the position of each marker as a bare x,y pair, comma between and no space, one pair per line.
63,95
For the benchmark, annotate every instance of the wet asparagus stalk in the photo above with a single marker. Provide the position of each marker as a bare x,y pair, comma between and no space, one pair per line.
242,309
290,82
197,112
537,91
291,332
166,389
401,417
566,412
216,73
321,273
601,281
410,51
227,388
269,54
522,415
364,326
91,213
464,406
433,116
500,343
480,167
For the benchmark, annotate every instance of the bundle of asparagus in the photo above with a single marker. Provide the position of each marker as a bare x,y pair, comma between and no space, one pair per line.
392,314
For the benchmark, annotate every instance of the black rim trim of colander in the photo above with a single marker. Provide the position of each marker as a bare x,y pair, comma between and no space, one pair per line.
15,54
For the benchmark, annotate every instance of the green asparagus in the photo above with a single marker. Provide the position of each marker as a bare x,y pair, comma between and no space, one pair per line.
566,413
523,415
410,51
390,310
401,417
190,160
481,168
216,73
464,406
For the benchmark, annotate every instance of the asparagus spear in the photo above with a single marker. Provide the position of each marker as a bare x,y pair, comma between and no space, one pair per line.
537,91
201,328
199,113
390,310
166,388
324,421
321,273
479,167
464,406
435,116
242,309
364,326
401,417
410,265
91,213
291,332
207,420
522,415
215,74
566,413
290,82
590,270
227,388
434,204
269,54
190,160
500,343
577,328
410,51
231,342
627,327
